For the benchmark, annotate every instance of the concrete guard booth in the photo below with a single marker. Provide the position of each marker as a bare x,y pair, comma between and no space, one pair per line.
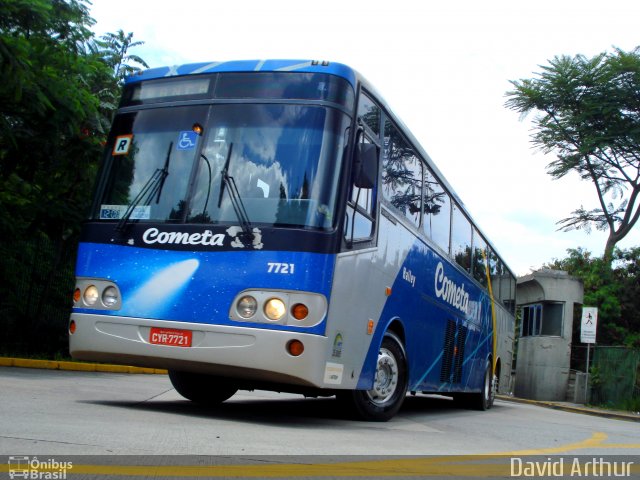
546,300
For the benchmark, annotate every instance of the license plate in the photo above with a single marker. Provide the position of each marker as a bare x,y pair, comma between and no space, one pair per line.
170,336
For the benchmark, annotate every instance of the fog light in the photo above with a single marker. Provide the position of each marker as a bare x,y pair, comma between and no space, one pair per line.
295,348
110,296
247,306
91,295
274,309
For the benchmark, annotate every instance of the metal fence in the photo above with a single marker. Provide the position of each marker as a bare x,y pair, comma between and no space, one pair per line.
35,295
615,377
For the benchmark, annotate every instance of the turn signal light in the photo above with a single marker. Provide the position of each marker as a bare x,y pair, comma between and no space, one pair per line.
72,327
299,311
295,348
77,295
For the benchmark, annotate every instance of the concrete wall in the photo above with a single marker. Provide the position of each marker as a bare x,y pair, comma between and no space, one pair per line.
543,368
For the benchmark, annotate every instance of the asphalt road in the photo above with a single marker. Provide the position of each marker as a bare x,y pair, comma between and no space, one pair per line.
45,412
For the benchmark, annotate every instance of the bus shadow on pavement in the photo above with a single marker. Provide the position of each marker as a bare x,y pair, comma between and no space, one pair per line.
289,411
298,412
436,405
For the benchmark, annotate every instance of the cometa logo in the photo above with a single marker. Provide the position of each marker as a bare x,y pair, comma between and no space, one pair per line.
153,235
450,291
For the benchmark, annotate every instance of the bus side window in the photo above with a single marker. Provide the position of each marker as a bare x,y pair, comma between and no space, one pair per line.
359,224
369,113
495,273
461,238
480,259
401,175
437,211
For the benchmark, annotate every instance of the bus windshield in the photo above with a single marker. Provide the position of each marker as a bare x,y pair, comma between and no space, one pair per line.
167,164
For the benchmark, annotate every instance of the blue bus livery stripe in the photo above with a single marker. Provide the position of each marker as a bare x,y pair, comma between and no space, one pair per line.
431,367
414,291
199,287
472,356
333,68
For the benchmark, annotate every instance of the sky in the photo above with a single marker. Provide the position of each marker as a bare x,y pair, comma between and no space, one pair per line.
443,67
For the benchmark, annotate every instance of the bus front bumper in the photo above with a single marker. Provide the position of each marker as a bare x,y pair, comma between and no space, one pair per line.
249,354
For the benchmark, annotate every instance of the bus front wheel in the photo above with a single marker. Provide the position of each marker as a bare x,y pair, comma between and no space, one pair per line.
384,400
202,388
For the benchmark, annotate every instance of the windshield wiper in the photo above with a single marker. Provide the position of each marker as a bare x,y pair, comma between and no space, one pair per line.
151,189
164,172
236,201
225,174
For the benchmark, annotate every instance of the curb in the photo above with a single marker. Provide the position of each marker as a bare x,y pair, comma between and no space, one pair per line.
617,415
76,366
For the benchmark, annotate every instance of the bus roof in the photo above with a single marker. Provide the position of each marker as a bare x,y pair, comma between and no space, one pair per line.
312,66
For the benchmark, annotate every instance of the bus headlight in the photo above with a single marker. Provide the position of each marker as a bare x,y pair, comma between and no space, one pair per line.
110,296
97,294
247,306
274,309
279,307
91,295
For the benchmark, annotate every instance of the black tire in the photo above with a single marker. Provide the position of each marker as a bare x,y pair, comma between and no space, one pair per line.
384,400
484,399
202,388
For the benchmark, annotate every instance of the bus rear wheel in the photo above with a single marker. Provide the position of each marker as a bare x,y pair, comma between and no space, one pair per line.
484,399
384,400
202,388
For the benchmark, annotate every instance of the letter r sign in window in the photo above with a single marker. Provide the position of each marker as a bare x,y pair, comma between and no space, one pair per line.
122,145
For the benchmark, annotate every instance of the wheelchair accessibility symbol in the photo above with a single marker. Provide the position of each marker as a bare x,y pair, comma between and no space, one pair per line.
187,140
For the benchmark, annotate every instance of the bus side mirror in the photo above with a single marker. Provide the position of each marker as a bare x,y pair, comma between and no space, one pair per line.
366,165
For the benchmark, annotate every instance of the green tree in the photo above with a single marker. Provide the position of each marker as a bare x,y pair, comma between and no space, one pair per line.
49,114
588,115
115,49
57,91
627,271
615,291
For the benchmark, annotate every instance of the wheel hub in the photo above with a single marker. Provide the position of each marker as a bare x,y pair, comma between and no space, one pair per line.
386,381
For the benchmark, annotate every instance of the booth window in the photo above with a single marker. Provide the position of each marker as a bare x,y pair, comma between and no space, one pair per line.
542,319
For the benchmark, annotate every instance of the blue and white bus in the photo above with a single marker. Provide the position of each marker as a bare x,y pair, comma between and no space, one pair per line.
273,225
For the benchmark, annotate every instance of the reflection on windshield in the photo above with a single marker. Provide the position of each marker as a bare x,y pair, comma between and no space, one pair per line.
152,189
285,163
149,133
